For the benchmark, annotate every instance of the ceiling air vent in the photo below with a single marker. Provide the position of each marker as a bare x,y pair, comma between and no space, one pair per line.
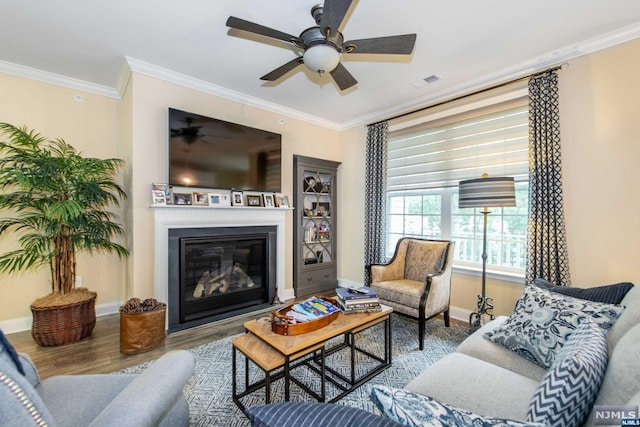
426,81
431,79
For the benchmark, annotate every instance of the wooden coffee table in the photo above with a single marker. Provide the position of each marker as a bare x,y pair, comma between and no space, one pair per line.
278,354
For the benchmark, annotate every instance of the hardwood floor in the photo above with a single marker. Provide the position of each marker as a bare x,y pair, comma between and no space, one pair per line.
100,352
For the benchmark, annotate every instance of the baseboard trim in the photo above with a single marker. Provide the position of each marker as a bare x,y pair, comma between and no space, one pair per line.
21,324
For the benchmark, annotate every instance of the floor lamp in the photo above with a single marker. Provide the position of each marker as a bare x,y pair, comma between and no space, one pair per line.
486,192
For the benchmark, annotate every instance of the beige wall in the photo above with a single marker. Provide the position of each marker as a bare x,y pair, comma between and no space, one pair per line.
150,99
600,125
90,126
600,101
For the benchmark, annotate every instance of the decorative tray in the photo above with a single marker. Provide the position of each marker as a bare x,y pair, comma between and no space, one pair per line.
286,325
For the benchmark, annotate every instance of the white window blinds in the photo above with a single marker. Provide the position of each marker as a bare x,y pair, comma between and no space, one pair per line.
442,152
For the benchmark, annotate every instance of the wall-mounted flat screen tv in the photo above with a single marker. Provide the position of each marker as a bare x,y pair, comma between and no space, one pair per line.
211,153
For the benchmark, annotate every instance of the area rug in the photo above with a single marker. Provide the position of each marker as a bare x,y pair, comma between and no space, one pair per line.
209,390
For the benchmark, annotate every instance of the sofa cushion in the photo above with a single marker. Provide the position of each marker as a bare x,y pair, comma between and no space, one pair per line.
621,381
477,386
477,346
566,395
416,410
610,294
627,320
543,321
299,414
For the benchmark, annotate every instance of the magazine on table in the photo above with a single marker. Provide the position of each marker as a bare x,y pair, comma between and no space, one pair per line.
312,308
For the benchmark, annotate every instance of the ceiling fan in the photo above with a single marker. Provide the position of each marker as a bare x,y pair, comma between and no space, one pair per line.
323,44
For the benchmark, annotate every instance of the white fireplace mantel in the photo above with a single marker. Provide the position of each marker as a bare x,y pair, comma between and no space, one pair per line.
170,217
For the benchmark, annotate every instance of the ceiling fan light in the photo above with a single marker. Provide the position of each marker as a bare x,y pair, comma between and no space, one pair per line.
321,58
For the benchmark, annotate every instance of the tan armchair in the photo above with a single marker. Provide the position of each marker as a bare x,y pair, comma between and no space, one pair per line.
417,280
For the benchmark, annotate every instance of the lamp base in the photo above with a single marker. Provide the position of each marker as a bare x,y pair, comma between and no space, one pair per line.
485,307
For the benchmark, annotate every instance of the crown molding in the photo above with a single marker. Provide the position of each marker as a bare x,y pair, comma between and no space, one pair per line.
141,67
130,65
548,60
56,79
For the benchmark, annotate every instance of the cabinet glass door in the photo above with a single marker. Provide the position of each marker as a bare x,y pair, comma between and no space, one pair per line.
316,217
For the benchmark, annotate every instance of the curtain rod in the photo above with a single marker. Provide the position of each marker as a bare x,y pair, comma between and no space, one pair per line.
478,92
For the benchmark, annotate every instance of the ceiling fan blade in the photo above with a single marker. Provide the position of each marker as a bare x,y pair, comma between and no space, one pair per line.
241,24
395,45
343,78
333,13
282,70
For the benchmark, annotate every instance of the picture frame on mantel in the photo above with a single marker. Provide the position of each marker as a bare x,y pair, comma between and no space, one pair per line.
182,199
237,198
166,189
282,201
254,200
200,199
268,200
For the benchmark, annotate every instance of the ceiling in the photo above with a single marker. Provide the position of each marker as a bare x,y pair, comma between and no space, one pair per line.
468,44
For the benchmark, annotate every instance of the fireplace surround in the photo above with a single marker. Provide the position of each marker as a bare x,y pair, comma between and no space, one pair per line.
175,218
219,272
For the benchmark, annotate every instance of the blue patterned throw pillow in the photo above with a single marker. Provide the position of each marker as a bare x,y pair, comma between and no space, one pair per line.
415,410
543,321
567,392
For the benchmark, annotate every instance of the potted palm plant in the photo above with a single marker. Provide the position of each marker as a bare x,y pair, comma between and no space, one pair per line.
58,201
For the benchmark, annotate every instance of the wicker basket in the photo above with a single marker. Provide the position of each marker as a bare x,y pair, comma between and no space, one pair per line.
63,324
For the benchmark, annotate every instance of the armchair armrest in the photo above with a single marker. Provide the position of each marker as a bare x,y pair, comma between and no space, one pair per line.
152,394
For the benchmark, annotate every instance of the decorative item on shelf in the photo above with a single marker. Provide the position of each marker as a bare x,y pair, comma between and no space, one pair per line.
167,191
237,198
322,208
282,201
38,176
483,193
326,188
200,199
254,200
142,325
309,184
182,199
268,200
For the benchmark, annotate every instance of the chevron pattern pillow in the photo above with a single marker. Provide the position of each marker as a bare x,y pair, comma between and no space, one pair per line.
543,321
567,392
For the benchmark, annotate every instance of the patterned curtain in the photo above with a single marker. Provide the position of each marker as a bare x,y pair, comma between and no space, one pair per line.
374,207
547,247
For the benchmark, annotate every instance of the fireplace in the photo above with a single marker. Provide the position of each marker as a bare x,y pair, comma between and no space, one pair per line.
219,272
181,219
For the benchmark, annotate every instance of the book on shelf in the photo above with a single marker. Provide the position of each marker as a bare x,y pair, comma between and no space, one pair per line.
364,292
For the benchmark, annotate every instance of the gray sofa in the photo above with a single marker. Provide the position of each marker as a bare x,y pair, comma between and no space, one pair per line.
491,380
153,398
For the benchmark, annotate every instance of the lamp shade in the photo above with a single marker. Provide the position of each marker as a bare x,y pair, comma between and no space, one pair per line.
487,192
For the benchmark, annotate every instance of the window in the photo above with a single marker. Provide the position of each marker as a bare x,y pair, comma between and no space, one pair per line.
425,163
